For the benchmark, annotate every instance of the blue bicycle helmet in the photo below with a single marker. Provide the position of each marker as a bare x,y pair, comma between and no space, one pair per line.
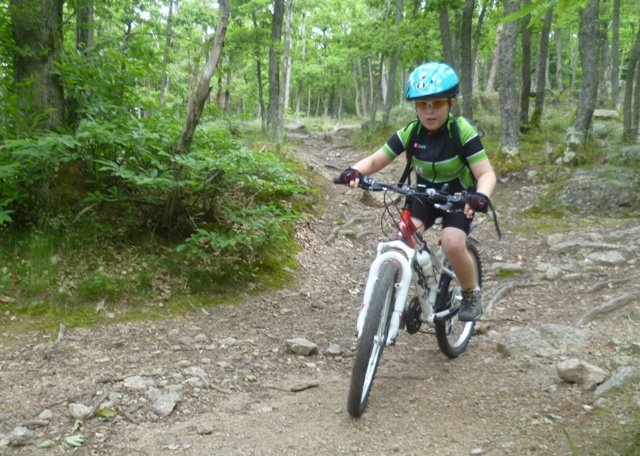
432,80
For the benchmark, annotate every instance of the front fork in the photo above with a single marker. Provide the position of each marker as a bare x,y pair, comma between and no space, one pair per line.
401,254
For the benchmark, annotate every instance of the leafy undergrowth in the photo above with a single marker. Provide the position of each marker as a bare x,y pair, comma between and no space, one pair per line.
130,229
47,278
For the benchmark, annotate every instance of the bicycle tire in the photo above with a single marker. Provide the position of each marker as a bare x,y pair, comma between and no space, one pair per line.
372,339
452,334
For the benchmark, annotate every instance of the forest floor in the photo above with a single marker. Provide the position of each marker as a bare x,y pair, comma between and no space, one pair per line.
223,382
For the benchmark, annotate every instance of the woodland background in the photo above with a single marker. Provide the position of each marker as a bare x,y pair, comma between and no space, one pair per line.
153,132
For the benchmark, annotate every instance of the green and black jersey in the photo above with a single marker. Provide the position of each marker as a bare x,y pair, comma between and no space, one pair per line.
434,156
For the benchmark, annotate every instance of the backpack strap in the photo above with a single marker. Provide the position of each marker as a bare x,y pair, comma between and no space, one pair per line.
406,174
457,141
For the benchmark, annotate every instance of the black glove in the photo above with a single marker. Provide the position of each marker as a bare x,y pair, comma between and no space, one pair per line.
479,202
349,175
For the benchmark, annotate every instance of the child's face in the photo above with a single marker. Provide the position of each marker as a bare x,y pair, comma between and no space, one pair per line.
434,113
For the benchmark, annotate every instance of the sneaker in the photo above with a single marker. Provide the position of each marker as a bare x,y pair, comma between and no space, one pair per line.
471,306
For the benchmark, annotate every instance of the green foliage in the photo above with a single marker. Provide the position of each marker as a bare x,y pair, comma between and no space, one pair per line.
100,286
30,175
238,211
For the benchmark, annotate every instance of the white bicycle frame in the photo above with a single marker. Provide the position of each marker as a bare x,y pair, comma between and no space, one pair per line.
405,257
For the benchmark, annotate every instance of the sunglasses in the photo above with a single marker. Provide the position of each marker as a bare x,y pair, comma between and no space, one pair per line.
433,104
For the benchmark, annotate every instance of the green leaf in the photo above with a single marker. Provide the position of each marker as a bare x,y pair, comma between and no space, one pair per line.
106,413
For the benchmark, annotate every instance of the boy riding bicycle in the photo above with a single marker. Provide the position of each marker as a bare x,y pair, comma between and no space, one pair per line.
440,158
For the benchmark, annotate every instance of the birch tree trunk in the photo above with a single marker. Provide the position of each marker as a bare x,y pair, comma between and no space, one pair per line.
589,54
510,130
541,64
274,111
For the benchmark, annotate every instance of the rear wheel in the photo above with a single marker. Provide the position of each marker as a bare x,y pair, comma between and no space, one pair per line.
372,340
453,335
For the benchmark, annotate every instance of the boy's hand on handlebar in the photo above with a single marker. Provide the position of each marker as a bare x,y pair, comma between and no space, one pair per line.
476,202
350,177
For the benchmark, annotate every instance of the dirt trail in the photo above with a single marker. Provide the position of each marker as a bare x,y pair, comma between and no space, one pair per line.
230,387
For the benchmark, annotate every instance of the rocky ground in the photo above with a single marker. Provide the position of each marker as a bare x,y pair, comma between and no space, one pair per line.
226,380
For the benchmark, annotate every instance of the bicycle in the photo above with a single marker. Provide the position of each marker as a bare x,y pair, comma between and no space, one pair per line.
400,263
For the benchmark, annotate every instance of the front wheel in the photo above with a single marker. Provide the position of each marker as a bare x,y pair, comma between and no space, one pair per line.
373,338
453,335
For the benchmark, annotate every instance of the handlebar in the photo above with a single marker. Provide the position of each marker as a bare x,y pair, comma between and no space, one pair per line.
441,200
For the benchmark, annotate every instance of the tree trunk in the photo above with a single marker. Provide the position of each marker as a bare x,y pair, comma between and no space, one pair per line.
363,90
627,105
476,43
226,105
195,107
635,118
164,82
274,110
393,68
509,131
457,19
541,63
84,26
84,44
374,95
262,114
559,79
526,67
445,35
36,27
466,60
604,60
194,110
261,107
356,86
589,55
303,55
286,57
574,62
615,55
494,63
